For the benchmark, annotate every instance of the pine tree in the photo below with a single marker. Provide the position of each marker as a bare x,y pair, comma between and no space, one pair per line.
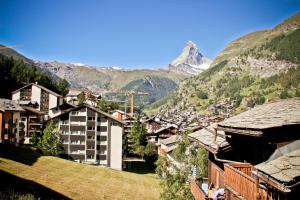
51,143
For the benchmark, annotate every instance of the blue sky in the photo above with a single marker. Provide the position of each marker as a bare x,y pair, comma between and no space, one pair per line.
132,33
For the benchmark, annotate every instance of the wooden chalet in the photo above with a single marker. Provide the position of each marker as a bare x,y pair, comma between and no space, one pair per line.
165,132
242,164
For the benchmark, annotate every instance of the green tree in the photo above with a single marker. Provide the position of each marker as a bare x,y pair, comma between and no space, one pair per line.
35,139
81,98
51,143
175,175
138,139
150,153
107,106
284,94
62,86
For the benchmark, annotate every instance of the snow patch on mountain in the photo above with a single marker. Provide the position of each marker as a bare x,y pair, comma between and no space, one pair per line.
190,60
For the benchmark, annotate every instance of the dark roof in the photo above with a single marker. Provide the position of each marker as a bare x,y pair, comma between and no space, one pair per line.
42,87
206,138
64,106
269,115
33,110
90,107
9,105
166,128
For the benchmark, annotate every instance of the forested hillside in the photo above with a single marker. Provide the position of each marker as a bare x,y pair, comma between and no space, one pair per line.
15,74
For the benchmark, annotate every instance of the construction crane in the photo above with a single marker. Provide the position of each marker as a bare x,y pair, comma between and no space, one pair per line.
131,94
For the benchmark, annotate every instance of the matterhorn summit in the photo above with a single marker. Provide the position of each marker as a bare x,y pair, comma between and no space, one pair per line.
190,60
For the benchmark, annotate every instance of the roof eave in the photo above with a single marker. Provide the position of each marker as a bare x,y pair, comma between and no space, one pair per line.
241,131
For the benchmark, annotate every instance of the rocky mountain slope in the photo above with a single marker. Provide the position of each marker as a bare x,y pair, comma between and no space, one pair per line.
190,61
158,83
259,67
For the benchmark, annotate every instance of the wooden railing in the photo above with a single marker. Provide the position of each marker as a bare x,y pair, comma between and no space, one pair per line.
197,192
238,177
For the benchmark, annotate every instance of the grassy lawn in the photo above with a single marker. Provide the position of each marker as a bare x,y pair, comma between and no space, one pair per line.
26,171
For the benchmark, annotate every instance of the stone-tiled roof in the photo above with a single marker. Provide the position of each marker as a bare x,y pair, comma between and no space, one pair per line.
9,105
269,115
207,139
284,168
170,140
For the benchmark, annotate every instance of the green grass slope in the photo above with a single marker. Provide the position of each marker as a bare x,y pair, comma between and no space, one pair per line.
28,173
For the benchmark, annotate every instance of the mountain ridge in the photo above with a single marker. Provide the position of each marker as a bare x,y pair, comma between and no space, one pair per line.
253,69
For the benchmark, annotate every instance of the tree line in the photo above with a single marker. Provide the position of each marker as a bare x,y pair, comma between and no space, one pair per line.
15,74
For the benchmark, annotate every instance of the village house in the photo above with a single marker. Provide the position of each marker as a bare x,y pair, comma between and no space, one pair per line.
241,153
11,128
92,136
164,132
152,124
167,145
34,94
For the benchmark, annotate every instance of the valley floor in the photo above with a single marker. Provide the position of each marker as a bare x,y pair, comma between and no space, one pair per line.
27,172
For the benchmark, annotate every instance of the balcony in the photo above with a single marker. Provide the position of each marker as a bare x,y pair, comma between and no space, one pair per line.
197,192
78,123
239,180
77,152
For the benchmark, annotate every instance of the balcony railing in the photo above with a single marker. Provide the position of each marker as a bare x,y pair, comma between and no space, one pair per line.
197,192
238,178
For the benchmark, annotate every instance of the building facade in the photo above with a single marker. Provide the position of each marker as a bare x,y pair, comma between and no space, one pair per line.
11,128
92,136
43,97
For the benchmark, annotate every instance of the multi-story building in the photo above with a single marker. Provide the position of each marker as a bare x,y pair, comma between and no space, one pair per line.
11,128
44,98
92,136
32,121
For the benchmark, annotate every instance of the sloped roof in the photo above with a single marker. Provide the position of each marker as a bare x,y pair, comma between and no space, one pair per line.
269,115
42,87
284,168
90,107
206,138
165,128
170,140
33,110
9,105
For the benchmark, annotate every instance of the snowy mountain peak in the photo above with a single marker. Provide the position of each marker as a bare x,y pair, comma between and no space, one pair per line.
190,60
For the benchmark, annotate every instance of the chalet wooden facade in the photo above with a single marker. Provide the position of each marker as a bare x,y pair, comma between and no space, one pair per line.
243,150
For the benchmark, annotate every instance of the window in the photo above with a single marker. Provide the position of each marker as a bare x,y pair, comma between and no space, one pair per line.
91,118
90,147
91,128
103,128
98,137
89,156
98,119
90,137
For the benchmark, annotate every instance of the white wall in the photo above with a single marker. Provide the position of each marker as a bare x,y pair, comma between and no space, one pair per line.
52,101
116,147
16,96
36,95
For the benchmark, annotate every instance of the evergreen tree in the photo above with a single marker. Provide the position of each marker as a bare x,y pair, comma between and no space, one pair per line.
51,143
35,139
